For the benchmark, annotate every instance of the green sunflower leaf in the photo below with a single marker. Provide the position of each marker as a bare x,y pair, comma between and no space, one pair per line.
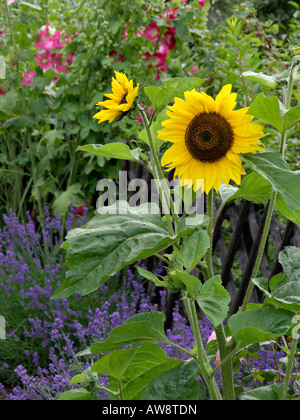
110,241
140,328
271,110
261,78
132,369
257,325
110,150
178,383
275,169
284,289
159,96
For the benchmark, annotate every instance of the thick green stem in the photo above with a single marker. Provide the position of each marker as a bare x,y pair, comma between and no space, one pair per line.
260,249
209,212
289,367
226,368
202,360
158,172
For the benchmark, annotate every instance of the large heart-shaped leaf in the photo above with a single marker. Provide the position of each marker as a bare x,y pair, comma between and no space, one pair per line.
178,383
130,370
284,289
271,110
258,325
264,393
159,96
275,169
108,243
256,188
140,328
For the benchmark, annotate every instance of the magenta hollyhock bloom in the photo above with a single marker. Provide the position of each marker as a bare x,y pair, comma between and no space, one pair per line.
151,31
44,32
171,14
2,91
71,58
201,3
44,60
28,77
45,43
60,63
169,38
56,40
195,68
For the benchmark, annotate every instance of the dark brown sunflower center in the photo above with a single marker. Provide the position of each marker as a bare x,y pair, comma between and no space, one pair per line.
208,137
123,100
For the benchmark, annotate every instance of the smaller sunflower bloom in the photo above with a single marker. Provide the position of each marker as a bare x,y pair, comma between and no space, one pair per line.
208,136
120,100
298,49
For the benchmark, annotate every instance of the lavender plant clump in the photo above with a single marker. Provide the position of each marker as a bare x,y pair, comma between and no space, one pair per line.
44,335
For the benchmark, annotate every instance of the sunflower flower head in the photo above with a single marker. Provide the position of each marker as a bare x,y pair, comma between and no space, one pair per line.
207,136
120,100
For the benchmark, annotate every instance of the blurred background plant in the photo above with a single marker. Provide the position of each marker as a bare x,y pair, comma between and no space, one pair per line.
60,57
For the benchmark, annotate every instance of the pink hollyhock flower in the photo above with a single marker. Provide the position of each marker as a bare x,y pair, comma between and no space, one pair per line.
56,40
2,91
195,68
60,63
44,60
151,31
28,77
171,14
169,38
114,54
44,32
125,34
45,43
160,58
9,2
70,59
201,3
214,337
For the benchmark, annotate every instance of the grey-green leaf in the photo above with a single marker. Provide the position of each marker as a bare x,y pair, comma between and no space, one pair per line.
275,169
193,249
140,328
258,325
109,242
159,96
110,150
284,289
134,368
214,300
178,383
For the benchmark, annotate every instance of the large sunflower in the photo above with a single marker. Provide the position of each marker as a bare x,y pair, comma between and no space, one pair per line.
120,100
207,136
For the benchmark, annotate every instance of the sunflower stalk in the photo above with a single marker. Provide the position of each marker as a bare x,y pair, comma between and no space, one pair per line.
202,359
224,347
158,174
